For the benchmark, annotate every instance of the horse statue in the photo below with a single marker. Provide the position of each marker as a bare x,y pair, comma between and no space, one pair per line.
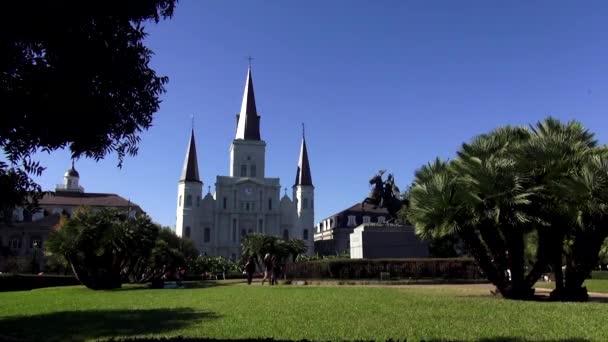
385,194
375,195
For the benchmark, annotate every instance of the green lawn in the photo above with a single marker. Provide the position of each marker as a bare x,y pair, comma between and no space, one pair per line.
593,285
293,312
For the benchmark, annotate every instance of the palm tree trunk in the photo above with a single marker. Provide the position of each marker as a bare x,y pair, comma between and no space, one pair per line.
481,255
585,254
555,255
515,243
496,246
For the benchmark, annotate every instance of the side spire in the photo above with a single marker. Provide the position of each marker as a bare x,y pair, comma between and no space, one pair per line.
303,176
248,120
190,170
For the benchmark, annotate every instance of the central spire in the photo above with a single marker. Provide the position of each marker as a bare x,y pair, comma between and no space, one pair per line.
190,170
303,176
248,125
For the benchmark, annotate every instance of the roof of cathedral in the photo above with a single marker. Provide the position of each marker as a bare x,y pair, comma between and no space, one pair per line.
72,198
303,176
190,170
248,125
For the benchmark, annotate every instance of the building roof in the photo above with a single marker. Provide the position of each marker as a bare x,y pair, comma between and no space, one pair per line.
248,120
357,209
303,176
190,170
72,172
59,198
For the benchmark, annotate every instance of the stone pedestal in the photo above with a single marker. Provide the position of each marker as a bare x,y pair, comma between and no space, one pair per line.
376,241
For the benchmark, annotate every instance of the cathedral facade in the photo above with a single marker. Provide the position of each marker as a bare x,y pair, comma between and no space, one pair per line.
245,201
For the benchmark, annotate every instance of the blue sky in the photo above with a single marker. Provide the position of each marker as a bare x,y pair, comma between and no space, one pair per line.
379,85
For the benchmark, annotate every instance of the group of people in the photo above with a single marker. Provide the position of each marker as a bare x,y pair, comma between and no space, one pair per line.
272,269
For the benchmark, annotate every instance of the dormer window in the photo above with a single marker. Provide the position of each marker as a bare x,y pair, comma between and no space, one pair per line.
352,221
366,219
381,219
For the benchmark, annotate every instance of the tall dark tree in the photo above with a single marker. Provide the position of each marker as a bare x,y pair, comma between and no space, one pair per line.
73,74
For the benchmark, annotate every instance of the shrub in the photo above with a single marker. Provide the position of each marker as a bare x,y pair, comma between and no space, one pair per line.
17,282
448,268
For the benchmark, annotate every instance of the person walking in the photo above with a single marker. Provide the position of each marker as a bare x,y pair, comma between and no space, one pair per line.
276,270
249,269
267,268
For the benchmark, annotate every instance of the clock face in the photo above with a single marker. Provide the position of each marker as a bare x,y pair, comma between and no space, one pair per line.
248,191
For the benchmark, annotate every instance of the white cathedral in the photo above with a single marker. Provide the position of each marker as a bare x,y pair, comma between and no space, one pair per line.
246,201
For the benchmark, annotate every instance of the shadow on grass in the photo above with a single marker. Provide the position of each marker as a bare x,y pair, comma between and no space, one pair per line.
189,339
94,324
190,284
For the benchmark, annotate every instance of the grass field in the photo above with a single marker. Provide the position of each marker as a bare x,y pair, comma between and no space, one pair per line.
225,310
593,285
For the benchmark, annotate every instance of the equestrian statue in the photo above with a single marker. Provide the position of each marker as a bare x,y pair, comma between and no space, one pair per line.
385,194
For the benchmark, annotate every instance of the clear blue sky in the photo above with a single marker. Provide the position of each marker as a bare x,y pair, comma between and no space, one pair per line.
379,85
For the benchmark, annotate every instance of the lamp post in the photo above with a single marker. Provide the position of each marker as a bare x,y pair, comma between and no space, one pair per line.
34,263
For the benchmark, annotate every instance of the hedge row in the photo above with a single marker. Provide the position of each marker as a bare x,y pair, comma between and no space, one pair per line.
444,268
19,282
599,275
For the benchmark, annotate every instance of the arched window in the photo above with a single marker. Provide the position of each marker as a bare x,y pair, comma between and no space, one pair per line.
305,234
207,234
35,242
285,234
14,242
243,170
27,216
198,201
305,203
270,204
187,232
189,201
233,230
253,170
225,202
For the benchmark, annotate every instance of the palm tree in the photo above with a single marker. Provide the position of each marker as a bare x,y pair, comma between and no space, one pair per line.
295,247
554,152
482,197
586,192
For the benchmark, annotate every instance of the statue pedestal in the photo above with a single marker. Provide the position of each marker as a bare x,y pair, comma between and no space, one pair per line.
377,241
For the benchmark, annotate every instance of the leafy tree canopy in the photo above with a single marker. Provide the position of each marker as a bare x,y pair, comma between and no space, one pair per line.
73,74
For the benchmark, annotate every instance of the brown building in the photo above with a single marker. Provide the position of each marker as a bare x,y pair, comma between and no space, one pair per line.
25,238
332,235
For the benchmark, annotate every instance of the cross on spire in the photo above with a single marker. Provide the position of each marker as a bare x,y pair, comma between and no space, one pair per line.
192,118
249,59
303,130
